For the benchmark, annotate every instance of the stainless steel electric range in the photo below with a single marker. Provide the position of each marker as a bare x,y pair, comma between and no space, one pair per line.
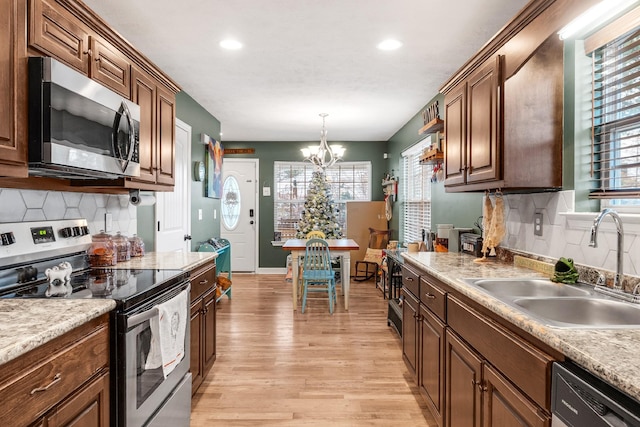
48,259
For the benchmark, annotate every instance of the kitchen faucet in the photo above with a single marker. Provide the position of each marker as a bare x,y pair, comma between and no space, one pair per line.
593,242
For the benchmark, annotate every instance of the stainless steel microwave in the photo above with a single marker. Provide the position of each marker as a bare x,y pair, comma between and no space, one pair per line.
79,129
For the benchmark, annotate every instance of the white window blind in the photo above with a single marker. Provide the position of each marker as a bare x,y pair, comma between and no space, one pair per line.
417,193
348,180
615,153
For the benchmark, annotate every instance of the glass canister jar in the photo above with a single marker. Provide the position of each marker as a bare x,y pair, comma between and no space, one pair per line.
102,252
137,246
123,247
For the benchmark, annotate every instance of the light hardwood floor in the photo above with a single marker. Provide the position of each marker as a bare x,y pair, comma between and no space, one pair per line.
277,368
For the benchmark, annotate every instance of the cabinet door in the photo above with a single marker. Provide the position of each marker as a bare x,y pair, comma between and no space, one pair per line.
13,152
505,405
144,94
455,134
166,136
55,32
88,407
462,384
110,67
431,370
410,308
483,111
196,346
209,332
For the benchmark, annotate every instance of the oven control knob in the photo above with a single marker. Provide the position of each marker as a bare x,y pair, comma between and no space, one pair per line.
7,238
66,232
85,230
77,231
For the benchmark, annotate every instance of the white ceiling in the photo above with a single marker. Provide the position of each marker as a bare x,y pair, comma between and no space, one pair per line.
301,58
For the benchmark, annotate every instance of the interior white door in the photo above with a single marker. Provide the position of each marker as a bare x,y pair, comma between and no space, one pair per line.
173,209
239,205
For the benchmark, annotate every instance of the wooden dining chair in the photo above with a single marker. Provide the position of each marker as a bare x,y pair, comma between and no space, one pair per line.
317,274
369,267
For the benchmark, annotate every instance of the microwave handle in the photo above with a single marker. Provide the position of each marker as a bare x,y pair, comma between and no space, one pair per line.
132,137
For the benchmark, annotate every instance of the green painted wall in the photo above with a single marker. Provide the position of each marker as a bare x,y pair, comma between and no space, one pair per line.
577,126
192,113
459,209
269,152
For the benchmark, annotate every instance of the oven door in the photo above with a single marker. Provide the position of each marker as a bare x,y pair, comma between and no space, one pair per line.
143,391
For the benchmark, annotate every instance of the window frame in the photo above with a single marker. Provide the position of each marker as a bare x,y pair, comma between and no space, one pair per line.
416,201
297,197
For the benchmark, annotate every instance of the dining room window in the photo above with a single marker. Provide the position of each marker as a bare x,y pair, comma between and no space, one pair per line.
416,204
348,180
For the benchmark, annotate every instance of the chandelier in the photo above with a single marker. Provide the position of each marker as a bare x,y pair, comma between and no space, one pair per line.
322,155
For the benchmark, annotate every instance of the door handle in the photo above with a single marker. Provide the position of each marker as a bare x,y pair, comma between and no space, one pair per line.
251,213
187,237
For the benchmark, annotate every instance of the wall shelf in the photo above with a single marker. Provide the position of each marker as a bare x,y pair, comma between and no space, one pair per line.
431,157
435,125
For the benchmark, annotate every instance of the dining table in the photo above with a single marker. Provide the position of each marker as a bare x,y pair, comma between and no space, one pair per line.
337,247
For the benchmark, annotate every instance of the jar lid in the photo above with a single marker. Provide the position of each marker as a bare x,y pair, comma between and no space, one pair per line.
102,236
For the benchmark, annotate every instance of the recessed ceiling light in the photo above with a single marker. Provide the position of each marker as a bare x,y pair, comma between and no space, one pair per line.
230,44
389,44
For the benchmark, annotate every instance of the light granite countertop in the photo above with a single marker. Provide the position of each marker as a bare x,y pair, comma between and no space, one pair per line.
168,260
28,323
612,354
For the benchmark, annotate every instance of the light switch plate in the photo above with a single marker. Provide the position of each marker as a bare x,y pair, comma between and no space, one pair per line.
200,214
266,191
537,224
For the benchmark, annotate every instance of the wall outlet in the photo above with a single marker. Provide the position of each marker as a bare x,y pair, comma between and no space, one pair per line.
537,224
108,222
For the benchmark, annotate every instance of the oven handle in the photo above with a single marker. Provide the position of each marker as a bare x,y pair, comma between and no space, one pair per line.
137,319
142,317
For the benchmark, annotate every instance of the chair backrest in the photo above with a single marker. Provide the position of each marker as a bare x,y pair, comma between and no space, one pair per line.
317,256
378,239
316,234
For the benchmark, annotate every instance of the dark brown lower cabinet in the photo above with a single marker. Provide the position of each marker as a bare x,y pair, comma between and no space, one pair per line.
88,407
410,327
203,323
432,362
478,395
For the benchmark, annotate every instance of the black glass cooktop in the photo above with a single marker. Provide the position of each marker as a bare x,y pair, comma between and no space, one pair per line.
128,287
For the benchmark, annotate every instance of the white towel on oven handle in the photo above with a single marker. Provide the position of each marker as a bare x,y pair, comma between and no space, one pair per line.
168,330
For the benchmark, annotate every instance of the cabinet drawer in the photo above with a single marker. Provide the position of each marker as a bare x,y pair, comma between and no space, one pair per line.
434,298
202,279
31,392
411,281
526,366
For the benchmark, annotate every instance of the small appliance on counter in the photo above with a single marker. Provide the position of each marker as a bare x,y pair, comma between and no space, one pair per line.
471,243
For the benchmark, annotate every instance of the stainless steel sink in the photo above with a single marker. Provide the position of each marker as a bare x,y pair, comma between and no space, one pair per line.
591,311
529,288
560,305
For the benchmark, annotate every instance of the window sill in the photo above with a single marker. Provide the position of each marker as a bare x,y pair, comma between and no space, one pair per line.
584,221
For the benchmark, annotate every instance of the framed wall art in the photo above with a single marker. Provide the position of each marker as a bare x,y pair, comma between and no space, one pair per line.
213,160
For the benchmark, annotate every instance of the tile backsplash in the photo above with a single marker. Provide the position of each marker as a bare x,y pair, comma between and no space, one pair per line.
566,233
34,205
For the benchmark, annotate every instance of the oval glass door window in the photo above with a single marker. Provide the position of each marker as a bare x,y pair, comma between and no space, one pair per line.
230,203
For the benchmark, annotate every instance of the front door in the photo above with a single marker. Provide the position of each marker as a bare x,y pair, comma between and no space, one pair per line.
173,209
239,206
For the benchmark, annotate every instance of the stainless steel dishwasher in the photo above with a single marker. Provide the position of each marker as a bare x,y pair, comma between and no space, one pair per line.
580,399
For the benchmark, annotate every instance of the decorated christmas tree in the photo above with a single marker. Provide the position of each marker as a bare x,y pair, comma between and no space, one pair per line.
320,212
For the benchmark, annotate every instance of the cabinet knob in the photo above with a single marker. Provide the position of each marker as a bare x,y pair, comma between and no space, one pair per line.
88,52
